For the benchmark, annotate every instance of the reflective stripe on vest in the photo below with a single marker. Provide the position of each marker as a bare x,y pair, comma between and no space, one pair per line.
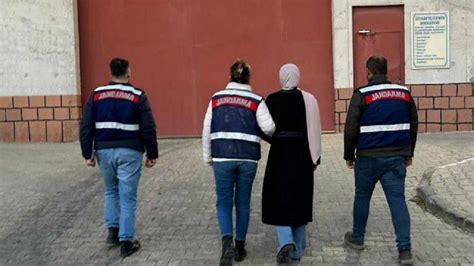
116,125
383,128
385,120
239,93
383,87
234,127
121,88
235,135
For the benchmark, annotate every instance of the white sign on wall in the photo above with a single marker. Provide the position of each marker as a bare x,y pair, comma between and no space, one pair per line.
430,40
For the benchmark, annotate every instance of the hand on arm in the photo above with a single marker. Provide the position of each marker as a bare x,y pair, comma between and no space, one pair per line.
265,120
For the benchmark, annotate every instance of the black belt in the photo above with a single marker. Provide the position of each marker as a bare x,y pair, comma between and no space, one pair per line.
290,134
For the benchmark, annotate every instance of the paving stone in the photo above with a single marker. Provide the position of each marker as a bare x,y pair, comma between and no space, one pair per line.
447,192
51,209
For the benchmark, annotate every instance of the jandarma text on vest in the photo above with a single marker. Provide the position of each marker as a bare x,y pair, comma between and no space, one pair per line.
116,95
387,95
235,101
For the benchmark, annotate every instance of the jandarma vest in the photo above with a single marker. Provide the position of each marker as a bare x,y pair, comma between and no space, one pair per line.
116,112
235,133
385,122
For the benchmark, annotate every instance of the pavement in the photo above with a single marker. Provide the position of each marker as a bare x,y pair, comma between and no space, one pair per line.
448,192
51,209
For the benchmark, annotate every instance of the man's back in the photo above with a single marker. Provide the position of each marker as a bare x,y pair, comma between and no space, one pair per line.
116,112
382,121
118,115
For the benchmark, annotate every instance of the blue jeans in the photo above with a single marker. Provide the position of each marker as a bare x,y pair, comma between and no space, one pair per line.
120,169
233,176
391,172
295,235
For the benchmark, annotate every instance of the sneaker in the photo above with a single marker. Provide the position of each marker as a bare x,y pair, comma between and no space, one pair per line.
227,251
283,256
352,243
240,252
127,248
405,257
113,237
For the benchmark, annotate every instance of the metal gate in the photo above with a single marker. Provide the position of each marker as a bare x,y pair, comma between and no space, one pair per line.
180,50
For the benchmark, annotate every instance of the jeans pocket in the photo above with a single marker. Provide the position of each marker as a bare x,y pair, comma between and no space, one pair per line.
133,154
362,164
101,155
248,170
401,170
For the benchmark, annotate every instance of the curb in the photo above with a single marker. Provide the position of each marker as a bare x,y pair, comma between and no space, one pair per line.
440,207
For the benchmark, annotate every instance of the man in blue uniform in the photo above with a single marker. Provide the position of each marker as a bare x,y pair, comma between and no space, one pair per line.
379,142
119,125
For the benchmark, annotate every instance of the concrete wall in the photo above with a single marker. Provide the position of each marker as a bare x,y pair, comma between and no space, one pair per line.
39,71
38,48
461,28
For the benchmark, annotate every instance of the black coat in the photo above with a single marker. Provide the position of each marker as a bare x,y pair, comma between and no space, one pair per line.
288,183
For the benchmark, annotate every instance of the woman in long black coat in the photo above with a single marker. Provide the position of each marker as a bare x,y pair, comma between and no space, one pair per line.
287,199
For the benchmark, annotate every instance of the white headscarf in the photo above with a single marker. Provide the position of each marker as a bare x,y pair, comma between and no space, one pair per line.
289,76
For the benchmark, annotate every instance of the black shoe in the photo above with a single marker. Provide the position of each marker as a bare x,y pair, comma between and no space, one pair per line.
240,252
405,257
127,248
283,256
351,243
113,237
227,251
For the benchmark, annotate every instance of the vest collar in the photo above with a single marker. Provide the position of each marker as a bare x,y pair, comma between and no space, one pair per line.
120,83
238,86
379,79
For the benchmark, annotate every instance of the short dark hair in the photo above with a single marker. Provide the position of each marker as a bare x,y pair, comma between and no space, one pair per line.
240,72
377,65
118,67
